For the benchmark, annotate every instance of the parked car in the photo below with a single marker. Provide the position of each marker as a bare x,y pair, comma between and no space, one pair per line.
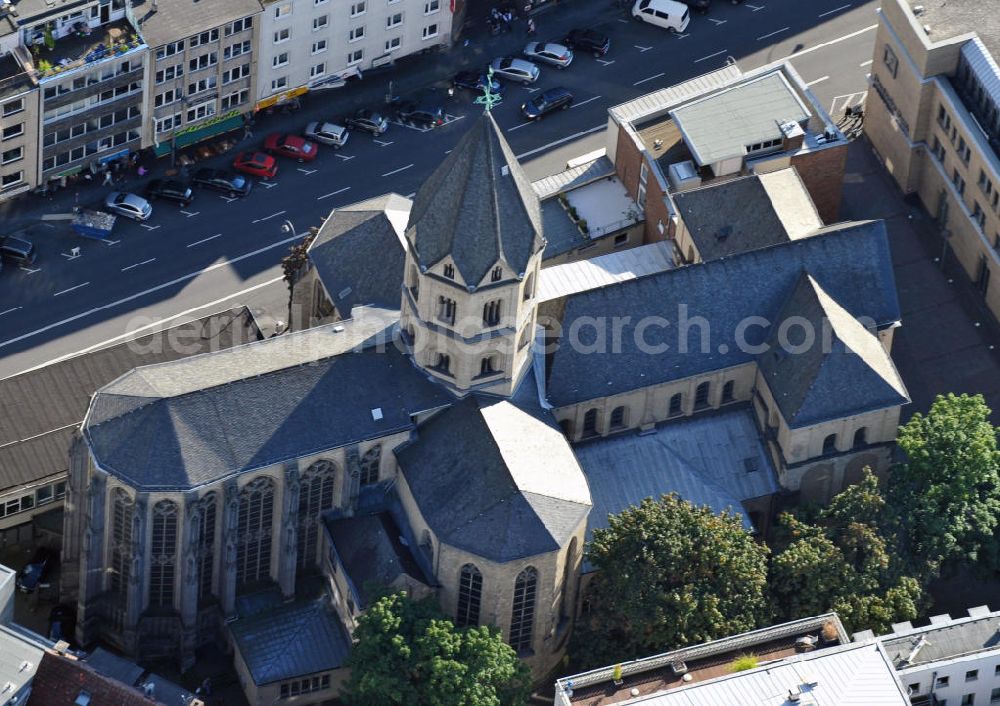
512,69
123,203
669,14
548,53
588,40
35,570
62,623
698,5
367,120
291,146
220,180
17,250
553,99
421,116
256,163
170,189
327,133
475,81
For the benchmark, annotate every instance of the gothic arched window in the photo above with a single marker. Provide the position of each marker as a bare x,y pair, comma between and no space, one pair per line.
497,274
122,511
860,437
830,444
370,463
522,614
163,557
701,395
727,391
569,575
315,497
254,529
676,405
206,546
491,313
470,595
590,422
617,418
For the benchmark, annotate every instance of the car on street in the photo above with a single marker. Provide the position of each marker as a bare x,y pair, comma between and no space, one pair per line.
671,15
698,5
369,121
548,53
220,180
32,573
327,133
123,203
425,116
256,163
588,40
17,250
511,69
547,101
62,623
171,190
291,146
475,81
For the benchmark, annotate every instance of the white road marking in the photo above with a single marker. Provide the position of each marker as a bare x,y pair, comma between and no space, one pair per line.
756,8
651,78
397,171
227,199
410,196
518,127
710,56
642,49
204,240
561,140
340,156
332,193
149,227
71,289
531,90
381,143
683,35
69,255
109,243
606,63
821,79
623,21
8,311
865,63
830,12
869,28
577,105
267,218
307,171
144,262
268,184
717,22
771,34
31,271
189,215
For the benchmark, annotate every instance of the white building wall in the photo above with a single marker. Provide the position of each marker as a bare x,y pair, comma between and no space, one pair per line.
974,676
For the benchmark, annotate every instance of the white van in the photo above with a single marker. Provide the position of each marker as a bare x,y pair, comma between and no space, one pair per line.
668,14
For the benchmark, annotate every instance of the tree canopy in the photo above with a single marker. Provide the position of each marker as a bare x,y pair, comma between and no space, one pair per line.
670,574
408,654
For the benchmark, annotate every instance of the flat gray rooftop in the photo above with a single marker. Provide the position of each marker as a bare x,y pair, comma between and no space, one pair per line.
950,18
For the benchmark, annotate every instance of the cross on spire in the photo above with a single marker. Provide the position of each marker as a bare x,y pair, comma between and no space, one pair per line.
489,98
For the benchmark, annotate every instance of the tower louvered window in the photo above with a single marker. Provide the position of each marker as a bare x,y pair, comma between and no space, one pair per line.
254,527
315,497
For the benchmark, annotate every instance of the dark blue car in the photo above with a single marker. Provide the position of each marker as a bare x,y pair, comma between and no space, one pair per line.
35,570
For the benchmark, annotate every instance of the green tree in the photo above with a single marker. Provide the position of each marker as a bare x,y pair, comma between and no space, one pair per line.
669,574
293,265
846,562
408,654
946,496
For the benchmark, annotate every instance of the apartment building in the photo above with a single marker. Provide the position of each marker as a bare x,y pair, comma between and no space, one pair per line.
201,80
934,118
308,45
71,83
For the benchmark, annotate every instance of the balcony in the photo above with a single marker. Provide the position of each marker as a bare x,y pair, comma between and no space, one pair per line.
49,57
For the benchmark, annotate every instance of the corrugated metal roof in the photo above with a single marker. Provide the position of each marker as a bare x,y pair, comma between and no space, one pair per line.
945,640
573,177
985,67
721,125
573,277
20,660
650,103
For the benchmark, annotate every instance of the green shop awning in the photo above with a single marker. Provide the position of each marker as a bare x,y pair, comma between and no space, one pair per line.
223,124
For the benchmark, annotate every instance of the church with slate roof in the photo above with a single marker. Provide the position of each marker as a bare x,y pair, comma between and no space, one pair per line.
448,433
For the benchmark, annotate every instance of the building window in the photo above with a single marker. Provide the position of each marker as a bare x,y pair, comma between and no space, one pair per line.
169,122
943,119
958,181
356,34
590,422
254,529
446,310
978,215
235,50
701,395
206,545
204,38
315,497
432,6
443,363
964,151
278,83
861,437
319,46
282,11
320,22
890,60
122,512
355,56
282,35
306,685
43,495
202,110
727,391
12,131
163,554
449,271
470,593
938,149
234,99
968,699
491,313
12,155
497,274
169,73
941,682
203,61
9,180
201,85
13,107
239,26
488,365
317,70
522,614
371,464
676,403
972,675
529,287
394,20
830,444
913,689
995,695
393,44
617,420
279,59
430,31
985,185
358,8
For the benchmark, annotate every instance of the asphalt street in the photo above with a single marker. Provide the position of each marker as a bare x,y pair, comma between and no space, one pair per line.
219,248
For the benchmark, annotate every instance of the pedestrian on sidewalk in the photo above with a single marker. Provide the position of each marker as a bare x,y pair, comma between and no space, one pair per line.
247,132
531,26
107,178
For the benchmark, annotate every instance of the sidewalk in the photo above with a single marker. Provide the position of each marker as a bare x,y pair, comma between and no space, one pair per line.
948,341
420,73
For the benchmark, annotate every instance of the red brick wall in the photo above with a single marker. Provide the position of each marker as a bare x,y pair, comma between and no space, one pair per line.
627,161
822,172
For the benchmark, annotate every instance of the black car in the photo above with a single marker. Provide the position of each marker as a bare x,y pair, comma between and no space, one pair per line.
475,81
170,189
62,623
35,570
17,250
588,40
420,116
220,180
699,5
552,99
367,120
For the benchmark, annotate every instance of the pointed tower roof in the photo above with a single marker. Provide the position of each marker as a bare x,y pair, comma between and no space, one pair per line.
478,207
847,373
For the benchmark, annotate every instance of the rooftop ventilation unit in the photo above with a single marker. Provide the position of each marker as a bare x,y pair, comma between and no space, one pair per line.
683,175
83,699
377,414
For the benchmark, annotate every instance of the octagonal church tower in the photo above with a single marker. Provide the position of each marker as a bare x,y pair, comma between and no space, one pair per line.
474,248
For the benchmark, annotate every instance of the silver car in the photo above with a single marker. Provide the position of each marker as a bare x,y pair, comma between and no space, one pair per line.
512,69
128,205
549,53
327,133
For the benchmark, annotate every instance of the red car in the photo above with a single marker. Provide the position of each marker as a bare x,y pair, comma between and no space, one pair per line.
291,146
257,163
